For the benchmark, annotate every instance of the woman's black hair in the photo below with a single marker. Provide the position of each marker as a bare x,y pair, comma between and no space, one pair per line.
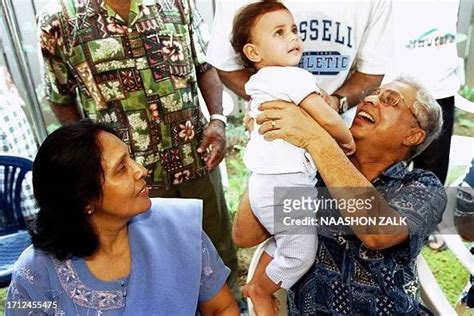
67,177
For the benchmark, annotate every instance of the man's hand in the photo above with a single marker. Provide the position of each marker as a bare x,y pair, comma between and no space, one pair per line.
283,120
66,113
349,148
213,144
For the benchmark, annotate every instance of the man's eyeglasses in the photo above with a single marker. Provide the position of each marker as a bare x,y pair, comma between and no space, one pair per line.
389,97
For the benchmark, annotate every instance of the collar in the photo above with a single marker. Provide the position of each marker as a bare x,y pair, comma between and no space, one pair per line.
134,13
396,171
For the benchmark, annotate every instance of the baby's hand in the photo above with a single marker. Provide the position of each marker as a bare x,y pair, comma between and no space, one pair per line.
349,148
248,122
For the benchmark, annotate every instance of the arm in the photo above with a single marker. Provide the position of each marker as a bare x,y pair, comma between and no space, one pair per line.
373,55
215,297
235,81
214,135
57,77
354,88
298,128
220,53
329,119
223,303
66,113
211,89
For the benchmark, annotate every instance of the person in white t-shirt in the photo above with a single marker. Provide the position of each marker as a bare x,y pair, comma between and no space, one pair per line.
347,46
266,38
425,48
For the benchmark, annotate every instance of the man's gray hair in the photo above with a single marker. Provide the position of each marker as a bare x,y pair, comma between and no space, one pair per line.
427,111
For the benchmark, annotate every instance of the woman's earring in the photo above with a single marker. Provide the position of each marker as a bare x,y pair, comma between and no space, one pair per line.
89,210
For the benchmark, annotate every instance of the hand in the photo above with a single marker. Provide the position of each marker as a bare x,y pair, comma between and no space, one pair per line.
290,123
213,144
331,100
248,122
263,304
349,148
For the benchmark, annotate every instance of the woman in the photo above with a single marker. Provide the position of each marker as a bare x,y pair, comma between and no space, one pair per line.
101,246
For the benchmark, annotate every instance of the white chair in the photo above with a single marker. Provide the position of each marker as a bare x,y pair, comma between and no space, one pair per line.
463,103
447,229
432,294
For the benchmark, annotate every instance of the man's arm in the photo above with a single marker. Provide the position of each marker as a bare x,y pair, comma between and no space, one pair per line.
213,143
66,113
235,81
220,53
58,80
214,135
211,90
373,55
297,127
355,87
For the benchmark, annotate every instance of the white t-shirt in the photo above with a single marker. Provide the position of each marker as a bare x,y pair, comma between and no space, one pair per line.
425,44
338,36
290,84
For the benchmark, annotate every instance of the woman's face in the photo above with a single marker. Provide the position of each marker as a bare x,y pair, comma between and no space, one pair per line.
124,190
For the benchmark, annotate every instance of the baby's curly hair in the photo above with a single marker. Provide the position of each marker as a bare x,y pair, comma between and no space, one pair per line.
244,21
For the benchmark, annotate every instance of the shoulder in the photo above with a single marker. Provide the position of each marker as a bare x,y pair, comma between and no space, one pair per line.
52,10
422,186
422,177
32,256
284,71
170,215
283,75
176,208
32,265
419,194
297,71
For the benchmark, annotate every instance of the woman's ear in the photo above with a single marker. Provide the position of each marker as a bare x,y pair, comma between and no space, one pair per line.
251,52
416,137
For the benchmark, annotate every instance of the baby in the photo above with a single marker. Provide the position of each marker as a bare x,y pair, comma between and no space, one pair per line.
266,38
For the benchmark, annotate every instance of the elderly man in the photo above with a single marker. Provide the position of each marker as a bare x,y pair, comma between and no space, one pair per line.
370,270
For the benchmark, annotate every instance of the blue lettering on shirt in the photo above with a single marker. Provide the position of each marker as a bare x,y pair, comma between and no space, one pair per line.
324,63
326,30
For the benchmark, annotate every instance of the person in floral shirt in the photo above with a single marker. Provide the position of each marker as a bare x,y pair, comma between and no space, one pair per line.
137,65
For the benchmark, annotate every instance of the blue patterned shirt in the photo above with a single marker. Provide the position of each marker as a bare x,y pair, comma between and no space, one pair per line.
348,278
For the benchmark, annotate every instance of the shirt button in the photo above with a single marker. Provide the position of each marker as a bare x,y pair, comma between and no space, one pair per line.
130,30
150,91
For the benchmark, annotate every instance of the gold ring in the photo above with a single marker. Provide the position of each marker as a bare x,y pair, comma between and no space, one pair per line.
273,124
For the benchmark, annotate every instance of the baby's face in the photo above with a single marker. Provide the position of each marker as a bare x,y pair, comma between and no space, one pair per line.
276,39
